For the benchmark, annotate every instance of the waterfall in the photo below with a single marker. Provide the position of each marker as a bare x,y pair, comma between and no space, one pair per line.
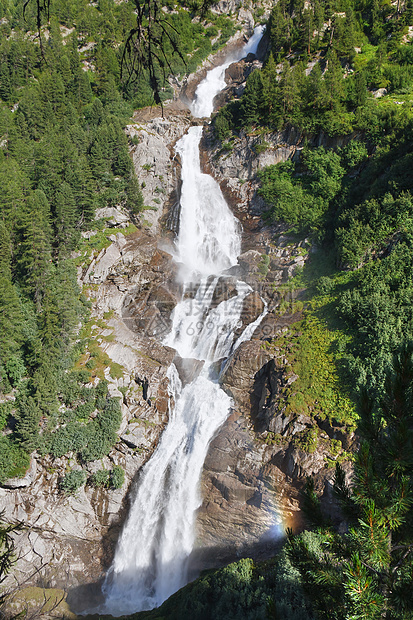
151,557
203,104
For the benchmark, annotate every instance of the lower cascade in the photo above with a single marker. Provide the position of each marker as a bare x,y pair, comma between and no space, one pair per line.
151,559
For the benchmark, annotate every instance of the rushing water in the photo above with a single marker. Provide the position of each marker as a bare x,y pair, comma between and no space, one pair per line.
151,557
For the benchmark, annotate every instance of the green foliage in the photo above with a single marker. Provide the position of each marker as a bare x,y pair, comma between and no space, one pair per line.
89,437
73,481
5,412
307,440
373,234
63,153
100,478
368,569
352,48
264,264
301,194
113,478
320,389
117,477
241,590
14,460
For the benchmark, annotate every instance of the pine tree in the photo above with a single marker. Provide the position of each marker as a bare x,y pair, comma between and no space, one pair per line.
65,219
270,89
334,82
11,319
6,88
134,201
252,100
14,188
279,28
34,250
290,91
369,570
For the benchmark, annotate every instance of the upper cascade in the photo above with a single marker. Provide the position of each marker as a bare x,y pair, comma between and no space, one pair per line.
209,238
203,104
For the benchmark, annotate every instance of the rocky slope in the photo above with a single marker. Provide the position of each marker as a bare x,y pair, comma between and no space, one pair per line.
68,540
257,467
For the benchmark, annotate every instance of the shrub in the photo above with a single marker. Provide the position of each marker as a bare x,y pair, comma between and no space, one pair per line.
307,439
117,477
14,460
100,478
72,481
98,443
325,285
264,265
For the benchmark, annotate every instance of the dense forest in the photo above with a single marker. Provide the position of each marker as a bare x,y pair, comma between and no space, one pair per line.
343,70
337,68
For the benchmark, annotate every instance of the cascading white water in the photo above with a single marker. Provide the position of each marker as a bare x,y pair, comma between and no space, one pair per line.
151,557
203,104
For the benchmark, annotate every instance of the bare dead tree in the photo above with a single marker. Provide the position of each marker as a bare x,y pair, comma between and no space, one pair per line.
42,13
147,45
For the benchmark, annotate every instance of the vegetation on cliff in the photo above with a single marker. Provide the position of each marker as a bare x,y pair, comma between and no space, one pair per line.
242,590
327,60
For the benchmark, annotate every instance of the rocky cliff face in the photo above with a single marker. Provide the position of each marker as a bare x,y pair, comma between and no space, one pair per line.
257,466
69,540
153,155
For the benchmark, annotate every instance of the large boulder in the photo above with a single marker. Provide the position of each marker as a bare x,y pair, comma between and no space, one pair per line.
188,368
241,370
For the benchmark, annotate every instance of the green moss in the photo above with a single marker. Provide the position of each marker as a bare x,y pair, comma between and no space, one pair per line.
39,602
306,440
274,439
319,389
90,248
116,370
335,447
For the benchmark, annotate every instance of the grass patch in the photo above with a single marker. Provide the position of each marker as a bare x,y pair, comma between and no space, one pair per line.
95,360
306,440
90,248
40,601
316,346
313,353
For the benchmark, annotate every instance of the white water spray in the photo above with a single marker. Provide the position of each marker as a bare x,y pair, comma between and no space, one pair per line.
151,557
